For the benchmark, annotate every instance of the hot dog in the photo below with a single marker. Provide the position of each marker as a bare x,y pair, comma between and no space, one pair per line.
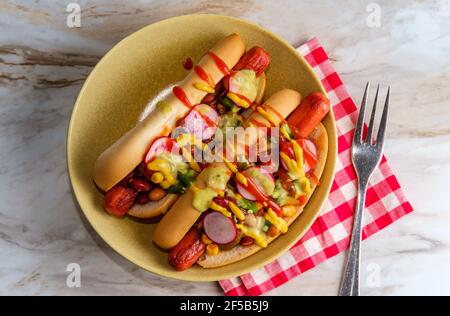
303,158
242,250
126,153
187,252
226,210
183,214
158,179
307,116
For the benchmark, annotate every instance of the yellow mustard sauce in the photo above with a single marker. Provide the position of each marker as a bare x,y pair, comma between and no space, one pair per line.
239,101
259,236
239,176
167,166
276,221
216,207
190,139
268,116
295,167
204,87
236,211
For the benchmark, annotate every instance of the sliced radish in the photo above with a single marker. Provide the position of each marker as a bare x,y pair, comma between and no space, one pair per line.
261,172
313,150
202,121
160,145
290,152
219,228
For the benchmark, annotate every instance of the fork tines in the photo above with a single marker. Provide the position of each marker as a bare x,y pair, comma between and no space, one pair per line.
357,138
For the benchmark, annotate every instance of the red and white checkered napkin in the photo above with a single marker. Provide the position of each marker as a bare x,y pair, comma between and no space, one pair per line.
330,233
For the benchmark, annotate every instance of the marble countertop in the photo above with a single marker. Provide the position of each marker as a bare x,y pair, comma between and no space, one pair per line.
43,64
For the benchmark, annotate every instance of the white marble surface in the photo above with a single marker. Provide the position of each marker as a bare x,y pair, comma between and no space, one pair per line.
43,64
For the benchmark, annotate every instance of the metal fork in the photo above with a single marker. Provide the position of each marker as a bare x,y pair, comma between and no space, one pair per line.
366,155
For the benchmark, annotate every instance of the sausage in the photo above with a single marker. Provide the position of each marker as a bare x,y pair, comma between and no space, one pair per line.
309,114
255,59
119,200
128,151
188,250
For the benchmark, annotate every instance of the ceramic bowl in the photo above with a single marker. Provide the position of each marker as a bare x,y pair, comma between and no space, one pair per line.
117,91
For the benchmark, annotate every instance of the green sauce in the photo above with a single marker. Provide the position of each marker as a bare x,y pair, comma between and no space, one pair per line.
164,107
262,179
216,179
245,83
202,199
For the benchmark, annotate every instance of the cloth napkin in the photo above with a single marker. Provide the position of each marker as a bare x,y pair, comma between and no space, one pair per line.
330,233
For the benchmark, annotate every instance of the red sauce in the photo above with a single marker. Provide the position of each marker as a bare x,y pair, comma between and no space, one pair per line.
206,77
201,73
313,177
278,114
262,197
302,200
220,64
257,123
240,96
207,120
187,64
309,157
179,93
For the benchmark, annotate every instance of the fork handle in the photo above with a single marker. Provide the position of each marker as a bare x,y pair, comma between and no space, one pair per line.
350,279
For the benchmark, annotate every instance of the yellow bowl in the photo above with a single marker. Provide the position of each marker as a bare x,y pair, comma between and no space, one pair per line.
117,91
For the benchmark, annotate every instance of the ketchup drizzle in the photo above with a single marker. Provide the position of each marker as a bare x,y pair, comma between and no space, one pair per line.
207,120
181,95
276,113
220,63
201,73
262,197
307,154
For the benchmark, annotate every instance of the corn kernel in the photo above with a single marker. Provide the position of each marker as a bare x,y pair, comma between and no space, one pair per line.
206,240
289,210
165,184
157,177
212,249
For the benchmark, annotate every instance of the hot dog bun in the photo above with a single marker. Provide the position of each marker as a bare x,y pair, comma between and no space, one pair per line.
180,218
126,153
224,257
261,88
153,208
